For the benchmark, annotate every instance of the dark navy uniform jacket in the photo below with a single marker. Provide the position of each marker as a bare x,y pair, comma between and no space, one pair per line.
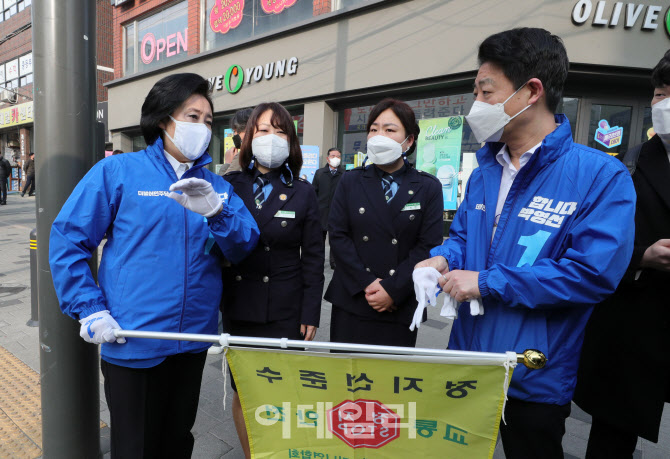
371,239
283,277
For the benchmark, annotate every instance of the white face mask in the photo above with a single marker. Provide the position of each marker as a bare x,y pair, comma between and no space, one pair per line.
660,117
488,121
384,150
334,161
191,139
270,150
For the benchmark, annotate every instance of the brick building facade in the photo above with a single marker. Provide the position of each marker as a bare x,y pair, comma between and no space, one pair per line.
16,76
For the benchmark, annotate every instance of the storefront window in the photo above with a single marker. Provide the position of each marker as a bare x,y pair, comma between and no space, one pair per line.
233,21
161,39
609,128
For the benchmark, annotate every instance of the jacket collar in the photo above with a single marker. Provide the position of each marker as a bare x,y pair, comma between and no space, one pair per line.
551,148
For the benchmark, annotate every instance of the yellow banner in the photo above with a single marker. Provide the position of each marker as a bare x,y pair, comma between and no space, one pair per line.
348,406
16,115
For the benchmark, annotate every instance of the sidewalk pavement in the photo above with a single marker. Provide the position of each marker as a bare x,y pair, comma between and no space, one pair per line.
214,430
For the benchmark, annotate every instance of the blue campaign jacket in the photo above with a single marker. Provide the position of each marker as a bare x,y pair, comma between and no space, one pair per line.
159,271
563,243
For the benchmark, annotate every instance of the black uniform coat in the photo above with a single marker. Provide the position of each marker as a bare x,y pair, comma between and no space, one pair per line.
624,373
325,184
283,277
372,239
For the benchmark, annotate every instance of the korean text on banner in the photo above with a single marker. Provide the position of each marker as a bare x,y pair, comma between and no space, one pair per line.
309,404
310,161
439,153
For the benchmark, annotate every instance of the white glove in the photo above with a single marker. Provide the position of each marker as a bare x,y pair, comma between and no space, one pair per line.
476,307
426,289
197,195
99,328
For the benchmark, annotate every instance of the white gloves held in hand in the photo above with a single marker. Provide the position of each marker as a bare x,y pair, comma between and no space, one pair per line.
99,328
198,195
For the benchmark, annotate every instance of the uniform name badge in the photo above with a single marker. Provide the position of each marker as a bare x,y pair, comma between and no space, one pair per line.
285,214
411,206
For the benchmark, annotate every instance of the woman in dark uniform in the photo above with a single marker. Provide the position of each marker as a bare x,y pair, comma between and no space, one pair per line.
276,291
383,220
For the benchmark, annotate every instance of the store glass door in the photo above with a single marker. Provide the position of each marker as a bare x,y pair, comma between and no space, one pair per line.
612,125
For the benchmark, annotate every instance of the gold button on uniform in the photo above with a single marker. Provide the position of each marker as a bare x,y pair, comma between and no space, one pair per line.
367,269
410,192
238,278
267,248
283,223
266,279
366,239
411,217
361,210
394,241
391,272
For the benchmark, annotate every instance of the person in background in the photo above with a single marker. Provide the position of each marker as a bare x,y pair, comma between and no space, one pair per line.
238,125
325,182
160,270
544,232
384,219
276,291
29,169
5,173
117,152
633,325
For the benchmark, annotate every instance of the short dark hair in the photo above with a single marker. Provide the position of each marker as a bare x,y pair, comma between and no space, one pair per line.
240,119
334,149
281,119
526,53
660,76
165,97
32,153
404,112
117,152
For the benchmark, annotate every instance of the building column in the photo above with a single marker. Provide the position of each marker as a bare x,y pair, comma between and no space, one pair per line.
320,128
122,142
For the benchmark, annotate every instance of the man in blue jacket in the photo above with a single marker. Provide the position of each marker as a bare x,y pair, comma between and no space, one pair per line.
160,269
544,232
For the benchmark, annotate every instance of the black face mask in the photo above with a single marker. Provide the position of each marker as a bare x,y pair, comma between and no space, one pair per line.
237,141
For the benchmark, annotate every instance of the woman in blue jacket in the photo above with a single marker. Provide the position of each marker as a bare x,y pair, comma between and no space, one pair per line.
276,291
160,269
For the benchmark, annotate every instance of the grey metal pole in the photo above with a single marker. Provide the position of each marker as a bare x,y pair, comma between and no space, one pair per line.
64,37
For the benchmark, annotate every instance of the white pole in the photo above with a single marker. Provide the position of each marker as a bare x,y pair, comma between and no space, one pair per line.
227,340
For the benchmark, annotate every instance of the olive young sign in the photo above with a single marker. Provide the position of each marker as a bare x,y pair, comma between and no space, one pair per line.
236,76
613,14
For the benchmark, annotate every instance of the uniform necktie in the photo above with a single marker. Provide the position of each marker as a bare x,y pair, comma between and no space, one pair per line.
333,172
387,180
259,196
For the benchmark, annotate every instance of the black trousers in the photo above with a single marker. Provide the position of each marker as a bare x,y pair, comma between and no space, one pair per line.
533,430
346,327
153,409
3,189
609,442
30,184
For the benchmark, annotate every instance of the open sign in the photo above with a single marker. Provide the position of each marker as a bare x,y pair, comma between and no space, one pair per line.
153,48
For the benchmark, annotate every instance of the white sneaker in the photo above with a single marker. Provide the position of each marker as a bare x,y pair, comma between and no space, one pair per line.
215,350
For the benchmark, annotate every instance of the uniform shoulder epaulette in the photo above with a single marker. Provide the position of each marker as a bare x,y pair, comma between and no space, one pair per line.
426,174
